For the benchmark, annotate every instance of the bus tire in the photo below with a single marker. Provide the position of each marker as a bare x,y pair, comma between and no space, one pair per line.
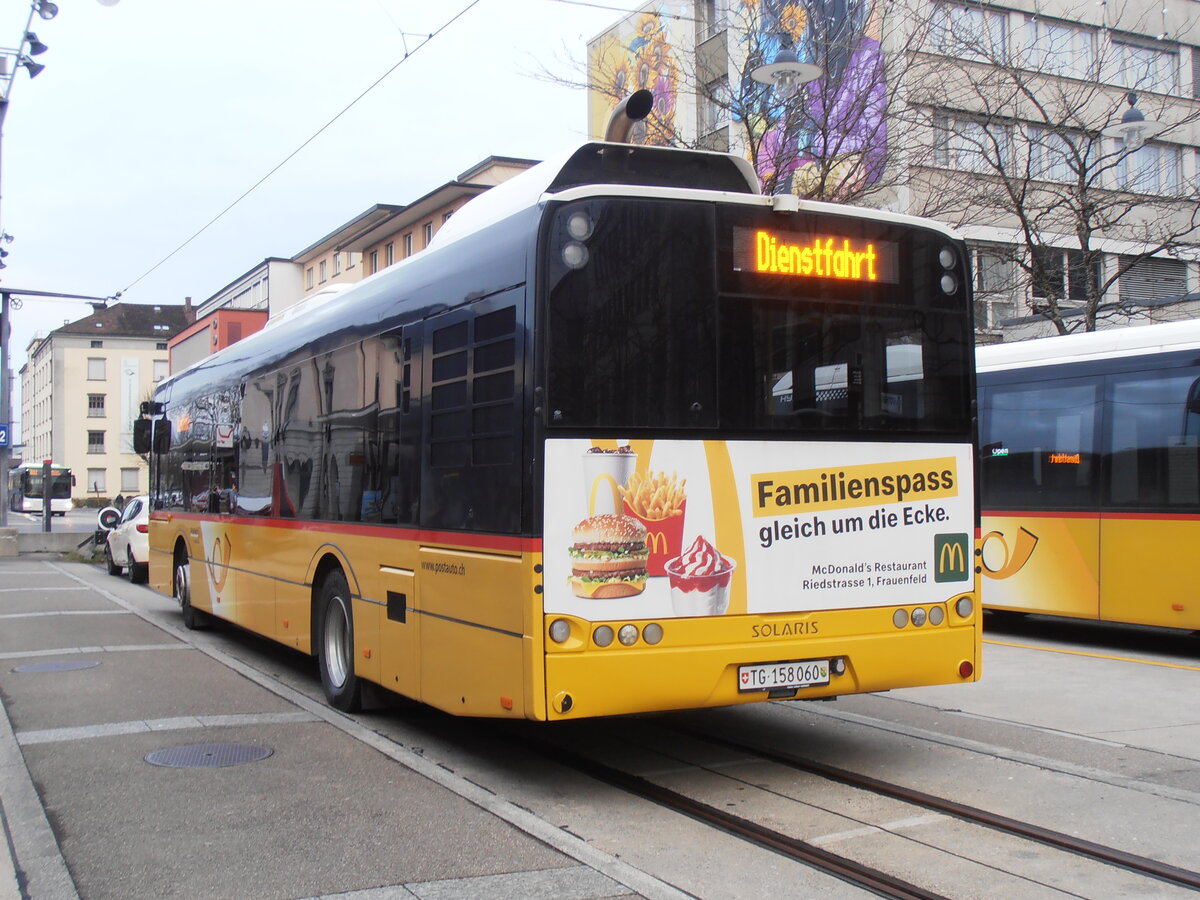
335,644
193,619
137,573
109,563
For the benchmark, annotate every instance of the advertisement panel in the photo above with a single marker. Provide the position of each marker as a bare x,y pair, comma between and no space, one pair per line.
658,529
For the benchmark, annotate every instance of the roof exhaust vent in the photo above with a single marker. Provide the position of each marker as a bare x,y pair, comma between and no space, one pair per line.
632,109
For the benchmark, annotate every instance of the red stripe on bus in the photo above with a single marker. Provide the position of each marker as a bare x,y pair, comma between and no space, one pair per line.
480,541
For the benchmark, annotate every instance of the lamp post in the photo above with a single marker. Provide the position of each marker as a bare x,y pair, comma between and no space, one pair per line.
1134,127
20,56
785,72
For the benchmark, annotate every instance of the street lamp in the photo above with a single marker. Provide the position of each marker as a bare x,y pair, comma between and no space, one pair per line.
1134,127
22,55
786,73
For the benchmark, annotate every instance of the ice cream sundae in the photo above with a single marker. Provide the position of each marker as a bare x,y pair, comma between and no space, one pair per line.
700,578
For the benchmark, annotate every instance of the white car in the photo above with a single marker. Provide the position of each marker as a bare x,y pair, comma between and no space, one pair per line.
127,547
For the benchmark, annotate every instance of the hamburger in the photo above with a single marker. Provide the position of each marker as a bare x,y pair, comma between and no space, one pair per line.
608,558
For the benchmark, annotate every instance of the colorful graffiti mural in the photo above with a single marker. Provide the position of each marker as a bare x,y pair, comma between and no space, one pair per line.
828,140
831,138
642,51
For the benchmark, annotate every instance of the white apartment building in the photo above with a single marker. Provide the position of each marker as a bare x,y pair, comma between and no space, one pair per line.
81,389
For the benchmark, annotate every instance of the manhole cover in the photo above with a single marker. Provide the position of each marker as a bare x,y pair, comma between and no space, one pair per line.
58,665
192,756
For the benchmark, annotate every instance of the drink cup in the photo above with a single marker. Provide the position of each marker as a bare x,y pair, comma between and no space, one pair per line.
603,476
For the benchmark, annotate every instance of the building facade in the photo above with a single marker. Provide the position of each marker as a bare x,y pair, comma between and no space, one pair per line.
1000,118
81,389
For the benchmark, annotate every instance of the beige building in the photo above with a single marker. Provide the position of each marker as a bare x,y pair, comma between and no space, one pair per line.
386,234
81,388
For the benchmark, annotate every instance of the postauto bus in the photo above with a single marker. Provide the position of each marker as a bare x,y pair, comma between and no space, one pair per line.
629,436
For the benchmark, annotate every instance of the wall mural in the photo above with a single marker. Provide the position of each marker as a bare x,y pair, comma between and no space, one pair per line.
836,124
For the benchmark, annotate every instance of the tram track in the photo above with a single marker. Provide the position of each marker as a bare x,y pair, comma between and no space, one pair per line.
848,870
808,853
1141,865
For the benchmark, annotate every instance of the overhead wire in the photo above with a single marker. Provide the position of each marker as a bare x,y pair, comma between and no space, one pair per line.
313,137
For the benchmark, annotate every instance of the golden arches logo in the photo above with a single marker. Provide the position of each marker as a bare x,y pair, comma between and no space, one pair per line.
1015,557
218,561
951,558
658,542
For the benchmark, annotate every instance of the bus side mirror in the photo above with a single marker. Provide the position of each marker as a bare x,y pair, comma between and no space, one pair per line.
151,434
141,435
162,435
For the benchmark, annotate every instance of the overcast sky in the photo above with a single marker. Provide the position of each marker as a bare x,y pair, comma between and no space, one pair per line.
152,116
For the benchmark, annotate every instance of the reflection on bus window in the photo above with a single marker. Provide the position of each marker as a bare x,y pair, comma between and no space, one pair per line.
1155,440
1040,445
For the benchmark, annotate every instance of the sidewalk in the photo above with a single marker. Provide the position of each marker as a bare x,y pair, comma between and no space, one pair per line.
330,808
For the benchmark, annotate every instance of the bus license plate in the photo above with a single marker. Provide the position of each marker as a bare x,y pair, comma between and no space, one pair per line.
798,674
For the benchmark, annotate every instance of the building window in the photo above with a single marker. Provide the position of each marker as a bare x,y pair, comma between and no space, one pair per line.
1061,274
374,262
1152,278
713,104
389,253
1151,169
95,442
408,245
446,216
308,278
162,345
95,405
1146,68
129,481
971,145
969,33
96,345
95,368
1056,48
324,276
1059,156
337,264
428,233
96,482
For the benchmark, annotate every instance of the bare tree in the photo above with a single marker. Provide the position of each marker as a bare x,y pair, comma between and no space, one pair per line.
1017,124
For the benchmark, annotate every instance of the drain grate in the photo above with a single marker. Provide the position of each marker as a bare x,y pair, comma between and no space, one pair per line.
58,665
194,756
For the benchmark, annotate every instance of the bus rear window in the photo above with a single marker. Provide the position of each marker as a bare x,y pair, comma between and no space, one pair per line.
655,321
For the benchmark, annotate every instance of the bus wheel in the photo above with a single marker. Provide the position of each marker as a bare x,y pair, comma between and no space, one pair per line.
343,690
193,619
137,573
109,562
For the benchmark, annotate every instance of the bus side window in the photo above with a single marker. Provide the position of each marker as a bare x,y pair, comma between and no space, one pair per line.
1154,438
1041,444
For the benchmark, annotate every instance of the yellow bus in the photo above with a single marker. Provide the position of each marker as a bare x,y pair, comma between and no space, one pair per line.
1090,474
628,436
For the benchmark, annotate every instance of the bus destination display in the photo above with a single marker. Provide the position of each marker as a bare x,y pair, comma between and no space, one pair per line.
814,255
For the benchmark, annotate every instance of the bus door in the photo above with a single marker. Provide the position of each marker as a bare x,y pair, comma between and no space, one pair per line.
1040,473
1152,525
399,453
476,598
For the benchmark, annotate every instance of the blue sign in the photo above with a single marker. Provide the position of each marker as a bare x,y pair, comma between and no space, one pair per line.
4,442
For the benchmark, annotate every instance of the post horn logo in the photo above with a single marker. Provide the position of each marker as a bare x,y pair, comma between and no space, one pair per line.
218,561
1015,556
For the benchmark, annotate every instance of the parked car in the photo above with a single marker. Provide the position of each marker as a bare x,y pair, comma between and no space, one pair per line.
127,547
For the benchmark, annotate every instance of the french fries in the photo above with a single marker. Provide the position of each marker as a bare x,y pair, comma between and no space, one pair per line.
655,495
